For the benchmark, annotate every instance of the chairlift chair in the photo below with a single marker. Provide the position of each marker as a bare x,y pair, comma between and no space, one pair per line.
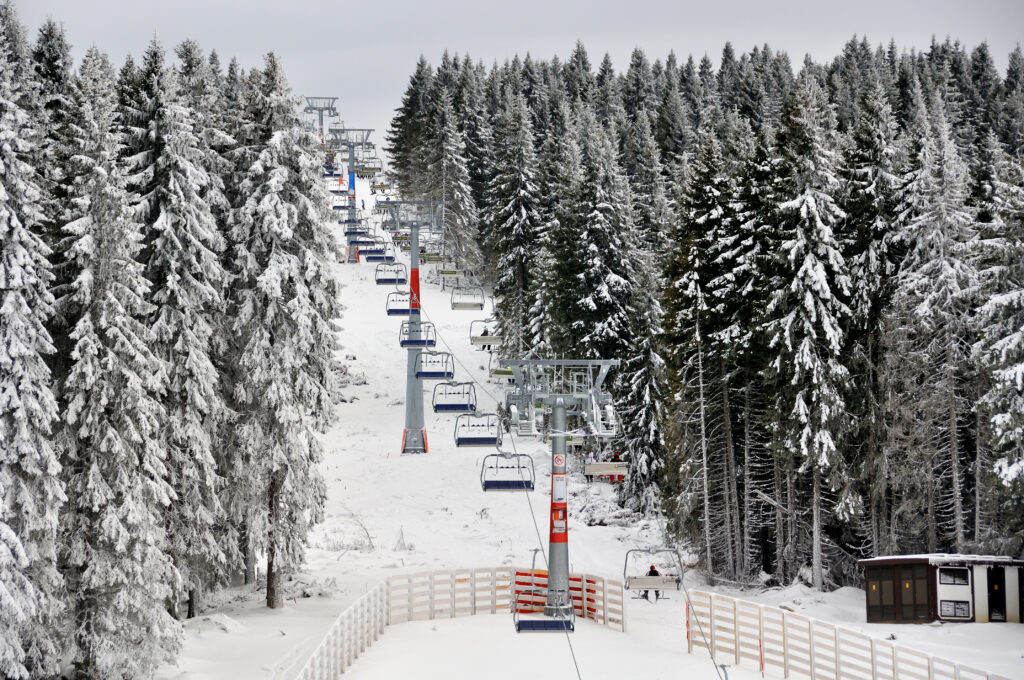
478,429
380,207
385,255
425,336
660,582
483,335
523,416
454,397
435,366
468,298
391,274
355,228
504,471
531,615
399,303
496,370
603,419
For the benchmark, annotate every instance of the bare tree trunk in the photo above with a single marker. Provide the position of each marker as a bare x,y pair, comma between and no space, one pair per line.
704,454
746,550
954,460
780,525
875,522
733,509
979,470
275,597
249,550
817,571
933,532
794,538
193,603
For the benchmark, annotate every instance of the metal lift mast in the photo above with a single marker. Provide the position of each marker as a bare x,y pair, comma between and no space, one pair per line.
414,436
566,386
320,106
351,139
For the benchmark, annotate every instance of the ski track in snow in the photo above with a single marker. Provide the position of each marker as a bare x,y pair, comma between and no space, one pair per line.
434,505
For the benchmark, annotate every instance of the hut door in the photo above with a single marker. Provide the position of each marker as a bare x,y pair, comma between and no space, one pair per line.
996,594
914,593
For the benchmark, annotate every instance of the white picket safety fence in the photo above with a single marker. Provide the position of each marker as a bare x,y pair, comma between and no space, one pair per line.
787,645
445,594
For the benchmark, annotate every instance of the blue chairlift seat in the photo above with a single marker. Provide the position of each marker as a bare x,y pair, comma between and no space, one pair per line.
390,275
560,619
435,366
507,472
454,397
385,254
425,337
472,429
399,303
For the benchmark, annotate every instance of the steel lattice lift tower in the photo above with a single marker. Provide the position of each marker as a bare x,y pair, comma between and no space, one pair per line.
568,388
409,214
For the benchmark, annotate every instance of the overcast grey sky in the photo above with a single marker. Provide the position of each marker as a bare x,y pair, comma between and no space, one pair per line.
363,51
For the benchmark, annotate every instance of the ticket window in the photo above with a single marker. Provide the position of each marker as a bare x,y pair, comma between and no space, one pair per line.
914,592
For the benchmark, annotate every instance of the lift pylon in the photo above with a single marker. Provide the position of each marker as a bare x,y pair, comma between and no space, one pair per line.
568,387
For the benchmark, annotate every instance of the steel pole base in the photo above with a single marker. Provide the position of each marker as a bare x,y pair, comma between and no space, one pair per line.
414,441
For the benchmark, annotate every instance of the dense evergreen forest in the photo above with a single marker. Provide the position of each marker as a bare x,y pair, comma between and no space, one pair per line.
815,281
166,304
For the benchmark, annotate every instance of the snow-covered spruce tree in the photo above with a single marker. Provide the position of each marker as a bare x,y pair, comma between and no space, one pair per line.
119,577
513,205
31,492
937,284
283,304
997,195
476,130
409,127
869,201
673,125
608,238
608,95
805,316
451,184
643,387
651,208
561,259
172,199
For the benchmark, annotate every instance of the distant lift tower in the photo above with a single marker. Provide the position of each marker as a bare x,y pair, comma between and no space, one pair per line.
343,138
568,388
412,216
321,106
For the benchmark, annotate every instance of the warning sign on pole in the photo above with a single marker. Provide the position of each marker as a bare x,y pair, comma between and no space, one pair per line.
558,488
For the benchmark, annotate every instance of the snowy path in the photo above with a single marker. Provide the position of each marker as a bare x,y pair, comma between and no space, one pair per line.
434,504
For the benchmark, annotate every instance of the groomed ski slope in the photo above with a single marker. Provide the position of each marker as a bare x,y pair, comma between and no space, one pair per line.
388,514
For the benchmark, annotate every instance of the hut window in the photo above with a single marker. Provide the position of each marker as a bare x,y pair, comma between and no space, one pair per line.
953,577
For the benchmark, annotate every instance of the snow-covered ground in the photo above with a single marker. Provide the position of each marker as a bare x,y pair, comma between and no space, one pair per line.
388,513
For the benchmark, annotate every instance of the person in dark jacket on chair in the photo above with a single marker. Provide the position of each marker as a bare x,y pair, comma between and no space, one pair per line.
653,571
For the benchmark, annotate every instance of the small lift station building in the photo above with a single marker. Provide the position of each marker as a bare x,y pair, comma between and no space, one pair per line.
943,587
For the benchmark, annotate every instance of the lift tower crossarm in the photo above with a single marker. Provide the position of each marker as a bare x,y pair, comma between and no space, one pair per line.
350,139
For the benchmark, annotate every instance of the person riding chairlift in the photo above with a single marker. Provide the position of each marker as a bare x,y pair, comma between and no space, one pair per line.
653,571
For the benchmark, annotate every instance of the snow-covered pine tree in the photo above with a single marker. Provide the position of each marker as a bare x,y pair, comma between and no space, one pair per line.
641,380
608,95
673,126
651,208
806,315
449,176
609,238
409,127
513,205
173,199
561,259
999,200
118,574
283,303
476,131
31,491
937,284
869,201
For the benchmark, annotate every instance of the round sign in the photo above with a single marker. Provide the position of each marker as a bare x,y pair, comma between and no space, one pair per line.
559,460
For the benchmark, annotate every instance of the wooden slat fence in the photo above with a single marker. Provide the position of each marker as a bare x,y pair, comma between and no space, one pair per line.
788,645
430,595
